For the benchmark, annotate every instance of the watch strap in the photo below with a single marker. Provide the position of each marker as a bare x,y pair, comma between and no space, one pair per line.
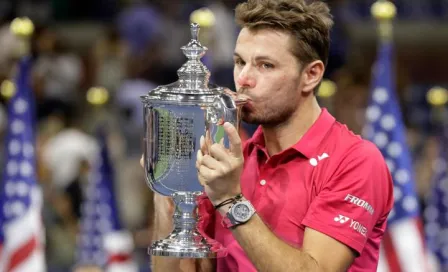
230,200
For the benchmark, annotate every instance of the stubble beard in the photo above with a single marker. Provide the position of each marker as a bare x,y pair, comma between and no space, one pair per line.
269,116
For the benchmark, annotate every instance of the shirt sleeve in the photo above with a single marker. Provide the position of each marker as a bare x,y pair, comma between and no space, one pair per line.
206,217
354,197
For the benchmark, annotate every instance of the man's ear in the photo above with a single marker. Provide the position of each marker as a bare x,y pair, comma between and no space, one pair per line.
312,75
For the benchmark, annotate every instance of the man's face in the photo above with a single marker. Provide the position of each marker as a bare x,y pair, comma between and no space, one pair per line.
268,74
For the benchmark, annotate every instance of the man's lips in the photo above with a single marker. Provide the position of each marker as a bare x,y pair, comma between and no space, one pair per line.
242,97
246,105
241,101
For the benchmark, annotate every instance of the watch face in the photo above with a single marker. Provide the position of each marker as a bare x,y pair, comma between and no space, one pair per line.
241,212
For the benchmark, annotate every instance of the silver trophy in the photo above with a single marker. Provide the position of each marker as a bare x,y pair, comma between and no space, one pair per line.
176,116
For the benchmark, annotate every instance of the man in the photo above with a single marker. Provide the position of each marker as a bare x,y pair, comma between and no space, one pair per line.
304,193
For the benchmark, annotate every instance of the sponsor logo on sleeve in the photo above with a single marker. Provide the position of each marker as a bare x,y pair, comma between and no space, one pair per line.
358,227
341,219
360,203
355,225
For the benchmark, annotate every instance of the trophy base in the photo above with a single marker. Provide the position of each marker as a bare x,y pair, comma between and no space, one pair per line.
184,247
185,241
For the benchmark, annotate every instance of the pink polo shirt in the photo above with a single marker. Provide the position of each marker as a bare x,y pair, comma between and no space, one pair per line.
331,181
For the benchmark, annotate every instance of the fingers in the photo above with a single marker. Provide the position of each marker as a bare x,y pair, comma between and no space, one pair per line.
215,160
202,179
234,139
203,145
211,163
205,174
220,153
199,157
208,167
208,140
141,161
207,161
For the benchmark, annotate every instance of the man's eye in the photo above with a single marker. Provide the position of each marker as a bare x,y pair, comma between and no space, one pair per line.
267,66
239,62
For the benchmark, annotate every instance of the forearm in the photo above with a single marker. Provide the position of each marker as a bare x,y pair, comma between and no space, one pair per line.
163,264
267,252
161,227
160,264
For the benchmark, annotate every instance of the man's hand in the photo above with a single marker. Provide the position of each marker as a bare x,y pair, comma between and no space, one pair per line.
219,168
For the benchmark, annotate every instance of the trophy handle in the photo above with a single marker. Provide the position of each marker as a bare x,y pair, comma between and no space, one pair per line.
224,109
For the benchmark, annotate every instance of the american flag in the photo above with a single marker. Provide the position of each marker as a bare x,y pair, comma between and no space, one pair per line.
402,248
22,232
102,242
436,212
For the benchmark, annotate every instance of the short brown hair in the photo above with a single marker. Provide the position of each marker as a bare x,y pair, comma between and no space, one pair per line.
309,24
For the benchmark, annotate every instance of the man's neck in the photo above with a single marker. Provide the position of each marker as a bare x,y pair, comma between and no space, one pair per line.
288,133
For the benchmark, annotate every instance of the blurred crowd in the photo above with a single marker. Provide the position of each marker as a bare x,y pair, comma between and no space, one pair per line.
130,47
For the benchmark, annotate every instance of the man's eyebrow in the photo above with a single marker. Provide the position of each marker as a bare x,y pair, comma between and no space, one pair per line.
257,58
262,57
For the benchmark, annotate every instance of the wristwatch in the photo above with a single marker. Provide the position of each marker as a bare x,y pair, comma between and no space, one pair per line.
239,213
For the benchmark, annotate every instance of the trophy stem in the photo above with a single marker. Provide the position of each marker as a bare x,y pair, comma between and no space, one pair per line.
184,241
185,216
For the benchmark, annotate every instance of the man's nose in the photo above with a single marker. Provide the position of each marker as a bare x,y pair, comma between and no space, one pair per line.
245,78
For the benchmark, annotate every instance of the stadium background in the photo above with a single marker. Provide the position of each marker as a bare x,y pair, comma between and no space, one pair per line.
128,47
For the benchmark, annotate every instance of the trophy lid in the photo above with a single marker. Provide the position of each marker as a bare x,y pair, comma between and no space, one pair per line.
193,84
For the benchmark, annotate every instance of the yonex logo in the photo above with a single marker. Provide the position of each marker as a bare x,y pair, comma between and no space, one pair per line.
358,227
341,219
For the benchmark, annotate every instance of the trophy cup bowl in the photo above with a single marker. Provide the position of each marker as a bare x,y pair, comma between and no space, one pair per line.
176,116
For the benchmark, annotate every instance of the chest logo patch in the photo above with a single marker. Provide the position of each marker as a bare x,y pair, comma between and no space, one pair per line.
315,162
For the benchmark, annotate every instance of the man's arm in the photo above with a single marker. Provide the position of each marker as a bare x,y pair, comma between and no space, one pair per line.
162,225
319,252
